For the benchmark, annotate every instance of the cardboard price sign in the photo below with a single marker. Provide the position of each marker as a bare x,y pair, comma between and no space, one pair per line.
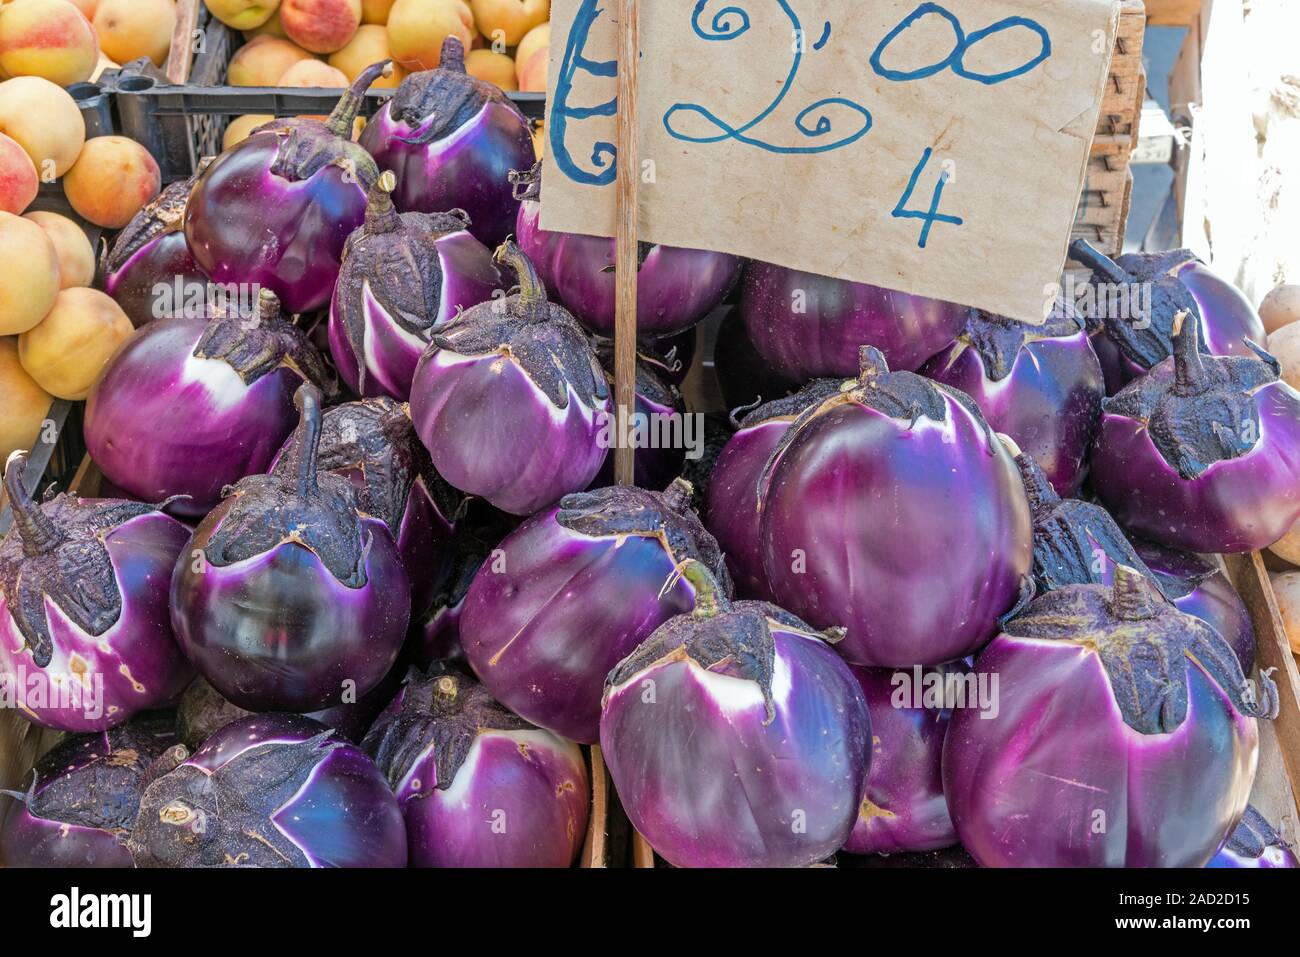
937,149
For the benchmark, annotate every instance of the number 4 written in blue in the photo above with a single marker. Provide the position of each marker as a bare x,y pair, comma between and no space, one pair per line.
932,215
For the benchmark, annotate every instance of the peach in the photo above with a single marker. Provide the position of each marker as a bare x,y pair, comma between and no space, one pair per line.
1280,308
416,29
47,38
29,274
321,26
18,182
539,140
75,254
496,68
532,78
87,7
263,61
25,403
241,127
313,73
242,14
507,21
534,40
271,28
45,121
370,45
130,29
376,11
111,181
69,348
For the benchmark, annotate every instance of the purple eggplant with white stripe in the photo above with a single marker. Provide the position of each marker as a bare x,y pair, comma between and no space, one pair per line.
1202,453
288,598
1125,735
452,140
271,790
404,277
572,592
1040,385
891,508
276,209
477,785
187,407
511,400
85,641
736,736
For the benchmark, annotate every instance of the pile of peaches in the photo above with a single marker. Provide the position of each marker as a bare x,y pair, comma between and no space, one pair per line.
326,43
71,41
56,332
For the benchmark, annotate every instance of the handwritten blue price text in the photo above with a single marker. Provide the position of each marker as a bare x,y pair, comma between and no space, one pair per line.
812,122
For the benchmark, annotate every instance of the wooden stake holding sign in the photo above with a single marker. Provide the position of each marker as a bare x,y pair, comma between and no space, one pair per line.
625,263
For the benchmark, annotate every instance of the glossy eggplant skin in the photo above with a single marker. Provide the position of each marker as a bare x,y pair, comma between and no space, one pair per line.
807,326
135,284
245,224
721,762
1048,400
904,809
278,632
731,512
1038,800
162,423
469,169
1239,505
83,800
271,790
95,682
562,601
914,534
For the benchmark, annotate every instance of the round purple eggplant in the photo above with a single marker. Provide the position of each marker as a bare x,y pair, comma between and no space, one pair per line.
149,269
1255,844
374,444
477,785
276,209
186,407
1124,735
1132,303
84,637
1041,385
903,809
736,737
452,140
1202,453
676,288
84,797
892,509
807,326
288,599
572,592
511,401
731,509
271,790
404,277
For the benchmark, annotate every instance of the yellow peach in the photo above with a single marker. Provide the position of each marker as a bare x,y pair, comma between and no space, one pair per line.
417,29
375,11
26,293
18,182
321,26
507,21
495,68
263,61
370,45
25,403
45,121
111,181
313,73
130,29
534,40
68,349
241,127
72,247
51,39
242,14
